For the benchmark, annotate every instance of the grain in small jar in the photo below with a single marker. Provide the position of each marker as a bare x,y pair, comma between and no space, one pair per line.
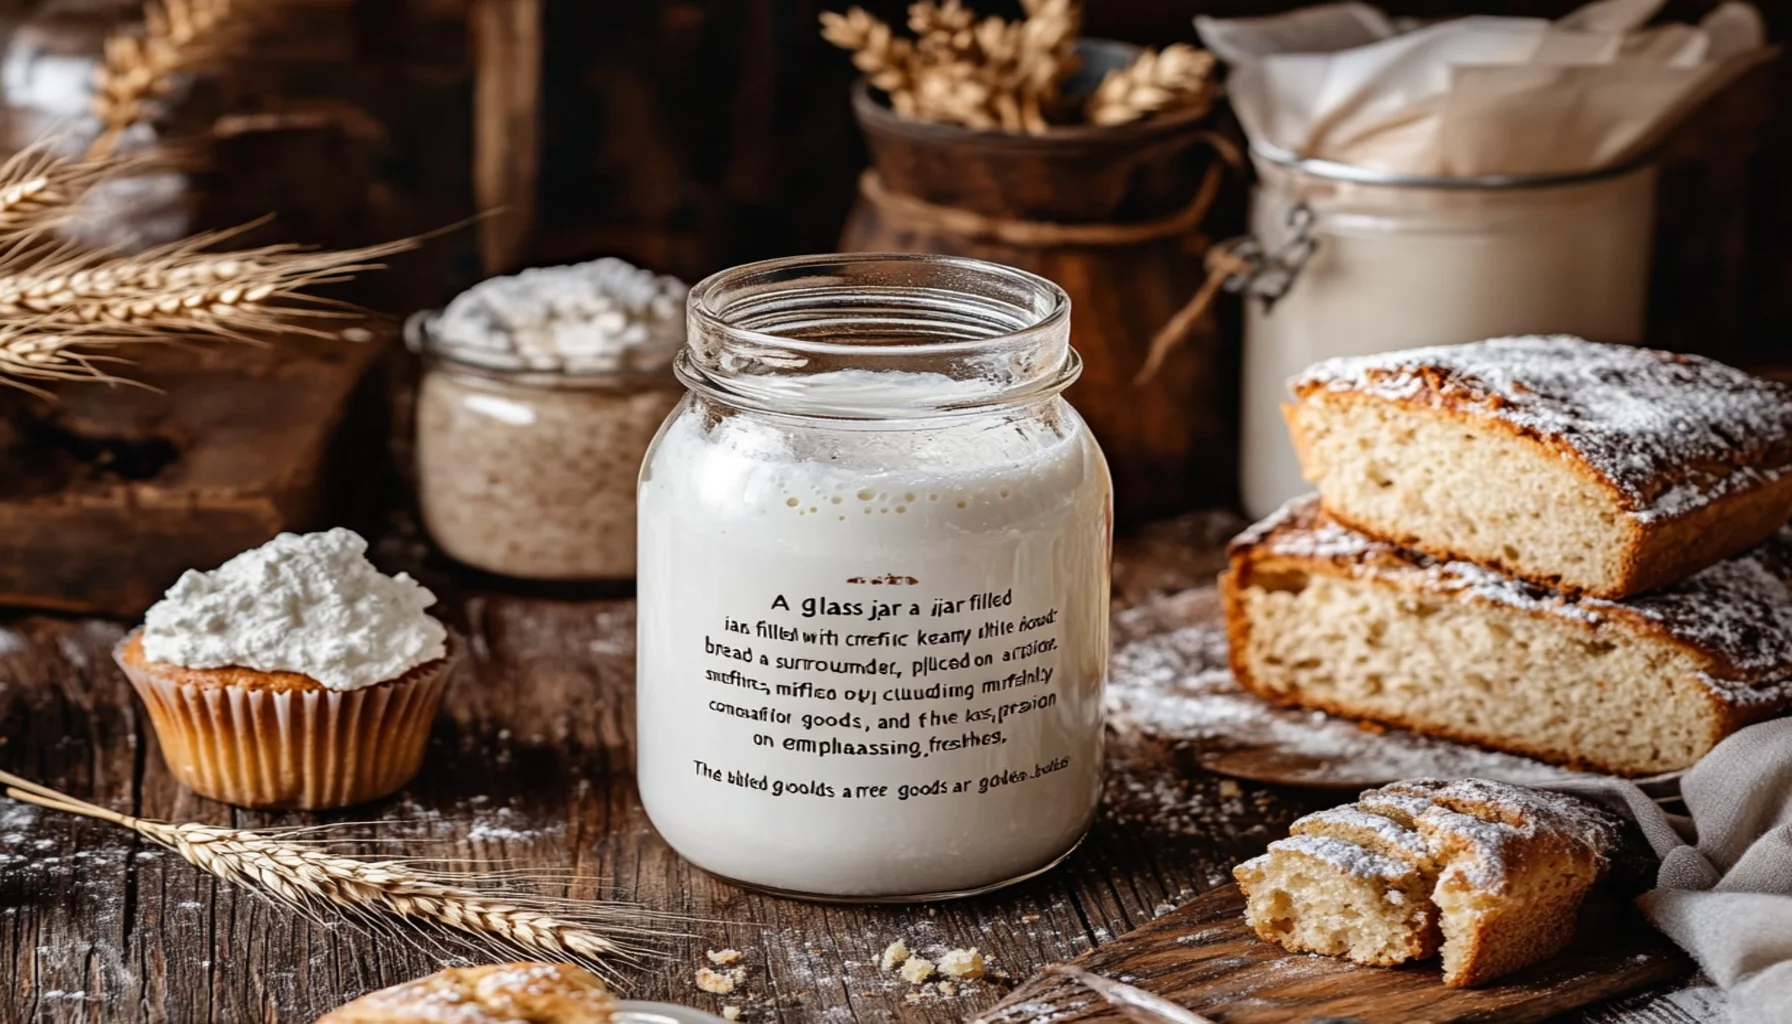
539,396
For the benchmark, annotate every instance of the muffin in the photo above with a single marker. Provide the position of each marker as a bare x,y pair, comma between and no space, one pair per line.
520,993
295,675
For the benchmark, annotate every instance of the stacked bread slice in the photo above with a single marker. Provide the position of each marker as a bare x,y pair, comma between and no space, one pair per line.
1548,546
1491,875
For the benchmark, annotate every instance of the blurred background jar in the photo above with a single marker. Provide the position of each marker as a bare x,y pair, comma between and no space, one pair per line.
540,394
1350,261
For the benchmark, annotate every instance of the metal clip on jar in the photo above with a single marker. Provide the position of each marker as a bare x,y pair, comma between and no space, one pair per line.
873,582
531,473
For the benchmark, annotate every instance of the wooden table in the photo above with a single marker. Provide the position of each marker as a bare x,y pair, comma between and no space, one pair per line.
530,765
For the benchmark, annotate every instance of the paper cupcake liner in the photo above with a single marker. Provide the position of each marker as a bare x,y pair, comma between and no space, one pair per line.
306,749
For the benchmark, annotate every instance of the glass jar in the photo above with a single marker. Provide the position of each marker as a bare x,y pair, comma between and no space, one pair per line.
530,473
873,587
1364,262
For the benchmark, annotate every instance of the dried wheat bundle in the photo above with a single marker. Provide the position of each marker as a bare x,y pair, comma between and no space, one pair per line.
998,75
1180,77
296,873
141,63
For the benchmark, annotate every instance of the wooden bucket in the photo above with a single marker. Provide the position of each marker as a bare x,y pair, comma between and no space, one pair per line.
1112,215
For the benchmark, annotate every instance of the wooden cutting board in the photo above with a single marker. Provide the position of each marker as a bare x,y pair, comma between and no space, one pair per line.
1204,957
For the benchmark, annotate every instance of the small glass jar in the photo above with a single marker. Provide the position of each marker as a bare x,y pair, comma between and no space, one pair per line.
873,590
531,473
1371,262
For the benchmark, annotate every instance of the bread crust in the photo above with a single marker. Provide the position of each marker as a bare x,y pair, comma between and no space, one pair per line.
1726,708
548,993
1651,552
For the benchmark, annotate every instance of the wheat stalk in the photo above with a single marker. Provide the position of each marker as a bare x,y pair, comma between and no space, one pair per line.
307,879
58,310
1179,77
140,62
182,287
38,187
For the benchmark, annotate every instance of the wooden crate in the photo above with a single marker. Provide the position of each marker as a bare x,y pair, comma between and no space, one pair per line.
108,494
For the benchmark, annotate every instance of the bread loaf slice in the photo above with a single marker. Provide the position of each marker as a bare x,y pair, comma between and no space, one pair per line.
1495,873
1600,469
1322,616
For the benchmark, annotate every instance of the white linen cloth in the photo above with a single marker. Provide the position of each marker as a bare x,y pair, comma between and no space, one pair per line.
1724,890
1479,95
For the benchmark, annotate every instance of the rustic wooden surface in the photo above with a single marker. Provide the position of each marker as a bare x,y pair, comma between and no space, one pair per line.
1204,956
530,766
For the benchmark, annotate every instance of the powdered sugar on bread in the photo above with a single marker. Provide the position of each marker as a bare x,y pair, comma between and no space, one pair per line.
1499,870
1670,433
1737,613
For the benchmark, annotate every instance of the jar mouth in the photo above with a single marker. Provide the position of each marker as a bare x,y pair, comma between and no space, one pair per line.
801,334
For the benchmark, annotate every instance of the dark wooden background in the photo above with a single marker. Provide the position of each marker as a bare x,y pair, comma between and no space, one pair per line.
695,135
692,135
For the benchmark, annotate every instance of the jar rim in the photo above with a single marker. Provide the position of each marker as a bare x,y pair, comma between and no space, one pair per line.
704,313
776,336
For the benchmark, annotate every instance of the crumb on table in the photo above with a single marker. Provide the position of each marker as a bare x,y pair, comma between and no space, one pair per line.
720,983
894,954
962,963
916,970
724,957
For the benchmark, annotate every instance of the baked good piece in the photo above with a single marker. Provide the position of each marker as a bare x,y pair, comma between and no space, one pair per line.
1322,616
294,675
520,993
1497,872
1588,468
281,739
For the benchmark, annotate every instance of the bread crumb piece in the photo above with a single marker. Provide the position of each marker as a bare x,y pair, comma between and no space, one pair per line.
962,963
1029,919
915,970
720,983
724,957
1230,790
947,988
730,1013
894,954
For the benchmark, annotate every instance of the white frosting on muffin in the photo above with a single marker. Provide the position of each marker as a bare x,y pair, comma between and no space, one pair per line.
307,603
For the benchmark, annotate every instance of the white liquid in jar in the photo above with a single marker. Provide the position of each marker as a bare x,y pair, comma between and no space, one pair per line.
871,658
